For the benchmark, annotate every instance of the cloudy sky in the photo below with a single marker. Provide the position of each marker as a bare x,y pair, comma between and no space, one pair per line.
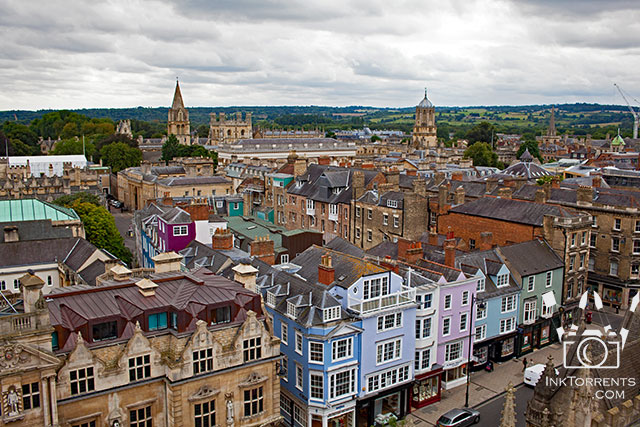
126,53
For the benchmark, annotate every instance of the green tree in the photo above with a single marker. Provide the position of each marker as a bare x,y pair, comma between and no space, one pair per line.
100,227
375,138
170,148
82,197
481,154
73,146
533,148
119,156
482,132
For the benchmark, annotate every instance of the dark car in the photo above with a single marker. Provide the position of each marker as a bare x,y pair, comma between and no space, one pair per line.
459,418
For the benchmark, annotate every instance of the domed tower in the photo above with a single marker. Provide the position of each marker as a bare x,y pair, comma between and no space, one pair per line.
424,130
178,120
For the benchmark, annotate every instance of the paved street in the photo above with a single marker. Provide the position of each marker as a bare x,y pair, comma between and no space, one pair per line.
486,386
491,411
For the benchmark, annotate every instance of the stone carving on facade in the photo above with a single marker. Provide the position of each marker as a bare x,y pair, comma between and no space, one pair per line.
204,392
13,355
116,414
11,404
230,411
253,379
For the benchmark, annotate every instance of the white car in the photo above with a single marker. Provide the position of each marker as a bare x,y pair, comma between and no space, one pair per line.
533,373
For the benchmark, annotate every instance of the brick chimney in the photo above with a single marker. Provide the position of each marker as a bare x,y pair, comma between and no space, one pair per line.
505,193
433,236
409,251
456,176
596,180
450,249
458,197
31,290
358,184
11,234
443,194
324,160
326,272
263,248
198,210
389,264
222,239
540,196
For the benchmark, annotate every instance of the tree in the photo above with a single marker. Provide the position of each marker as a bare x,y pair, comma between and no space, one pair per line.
84,197
73,146
375,138
533,148
99,225
170,148
119,156
482,132
482,155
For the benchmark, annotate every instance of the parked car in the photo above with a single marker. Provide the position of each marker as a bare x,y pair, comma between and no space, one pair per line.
460,417
116,203
533,373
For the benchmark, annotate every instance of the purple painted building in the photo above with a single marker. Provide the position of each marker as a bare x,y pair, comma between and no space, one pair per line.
175,230
456,296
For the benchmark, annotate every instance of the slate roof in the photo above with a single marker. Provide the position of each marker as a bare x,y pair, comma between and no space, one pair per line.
348,268
176,215
530,257
197,255
490,263
318,181
36,230
193,180
513,210
341,245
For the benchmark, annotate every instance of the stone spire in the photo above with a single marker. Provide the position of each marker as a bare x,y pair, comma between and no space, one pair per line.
552,123
177,98
509,409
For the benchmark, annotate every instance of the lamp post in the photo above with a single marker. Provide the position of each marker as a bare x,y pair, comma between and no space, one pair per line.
480,305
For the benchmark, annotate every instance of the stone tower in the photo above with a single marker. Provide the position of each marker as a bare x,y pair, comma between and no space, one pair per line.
178,120
552,123
424,130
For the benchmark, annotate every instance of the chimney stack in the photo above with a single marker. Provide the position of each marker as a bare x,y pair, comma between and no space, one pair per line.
167,261
246,274
596,180
263,248
409,251
222,239
584,195
433,236
11,234
540,196
31,291
458,197
505,193
326,272
486,240
450,249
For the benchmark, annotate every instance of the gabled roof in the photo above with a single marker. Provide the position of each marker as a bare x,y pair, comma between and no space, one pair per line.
176,215
348,268
530,257
513,210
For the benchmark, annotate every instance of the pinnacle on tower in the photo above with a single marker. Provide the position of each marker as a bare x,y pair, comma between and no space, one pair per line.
177,97
509,409
552,123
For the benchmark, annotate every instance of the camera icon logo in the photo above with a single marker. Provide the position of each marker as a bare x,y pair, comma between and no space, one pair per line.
593,347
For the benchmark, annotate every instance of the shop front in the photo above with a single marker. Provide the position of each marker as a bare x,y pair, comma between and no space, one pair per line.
342,415
454,374
537,335
384,406
426,388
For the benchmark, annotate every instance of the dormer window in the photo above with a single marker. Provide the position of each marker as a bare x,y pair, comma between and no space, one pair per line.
332,313
336,190
392,203
480,287
503,280
271,299
291,309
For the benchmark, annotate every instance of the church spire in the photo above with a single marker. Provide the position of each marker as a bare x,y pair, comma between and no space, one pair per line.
509,409
177,97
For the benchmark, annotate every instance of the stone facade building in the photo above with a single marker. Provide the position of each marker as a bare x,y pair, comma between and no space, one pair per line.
169,347
227,130
424,131
387,213
186,177
178,119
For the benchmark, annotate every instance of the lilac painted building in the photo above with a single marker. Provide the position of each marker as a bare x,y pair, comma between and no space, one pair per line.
175,230
456,294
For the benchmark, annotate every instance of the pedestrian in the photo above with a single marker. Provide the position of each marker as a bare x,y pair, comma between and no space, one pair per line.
524,364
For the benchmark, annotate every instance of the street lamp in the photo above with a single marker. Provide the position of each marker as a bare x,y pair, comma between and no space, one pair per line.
480,305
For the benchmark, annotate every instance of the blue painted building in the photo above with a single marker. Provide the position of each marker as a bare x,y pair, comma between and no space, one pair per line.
320,346
496,307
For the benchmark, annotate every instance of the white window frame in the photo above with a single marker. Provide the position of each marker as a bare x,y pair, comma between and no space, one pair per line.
481,286
392,203
508,304
446,326
271,299
314,352
503,280
333,384
465,298
284,332
383,348
331,313
180,230
447,302
531,283
421,327
548,279
482,333
481,313
299,376
316,387
390,321
530,311
335,348
448,352
299,342
511,322
464,317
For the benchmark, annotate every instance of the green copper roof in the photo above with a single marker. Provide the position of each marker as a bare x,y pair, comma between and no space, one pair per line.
32,209
617,141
